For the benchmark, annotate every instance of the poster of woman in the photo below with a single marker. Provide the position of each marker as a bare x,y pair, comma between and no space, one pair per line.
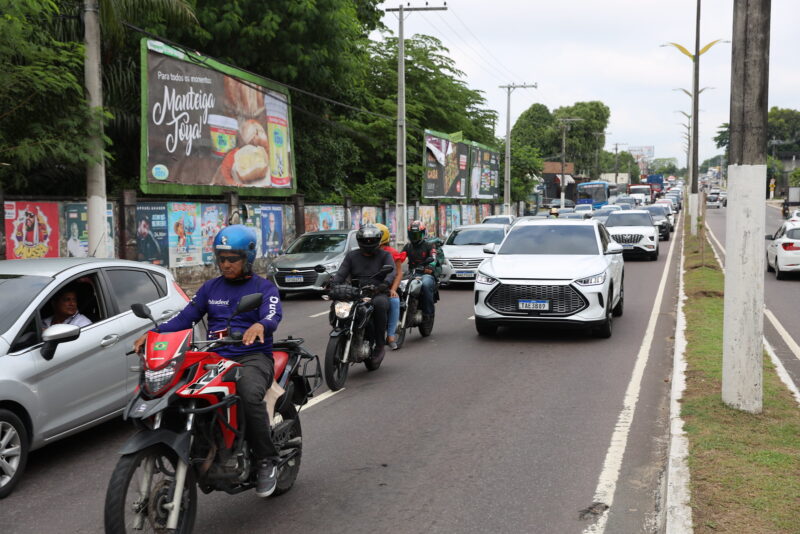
427,214
327,218
442,220
31,230
185,239
272,229
213,220
369,215
355,218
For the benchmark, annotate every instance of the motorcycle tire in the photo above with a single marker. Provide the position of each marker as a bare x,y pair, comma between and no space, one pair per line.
371,364
287,473
118,513
400,336
335,370
426,327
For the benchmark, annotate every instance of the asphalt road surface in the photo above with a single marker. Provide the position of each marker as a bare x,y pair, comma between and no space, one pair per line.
454,433
780,296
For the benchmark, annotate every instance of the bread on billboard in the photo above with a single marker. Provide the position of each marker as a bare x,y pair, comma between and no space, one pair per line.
250,164
242,99
252,132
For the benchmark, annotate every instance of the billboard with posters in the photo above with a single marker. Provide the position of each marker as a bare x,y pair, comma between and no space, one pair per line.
152,239
271,229
484,172
76,228
213,218
32,230
446,165
208,127
185,238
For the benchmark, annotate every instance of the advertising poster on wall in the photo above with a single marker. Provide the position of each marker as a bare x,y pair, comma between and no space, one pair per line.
289,225
32,230
453,217
446,165
152,239
442,220
355,218
253,220
369,215
213,219
468,214
327,218
208,127
484,172
76,228
311,216
271,229
391,222
486,211
185,238
427,214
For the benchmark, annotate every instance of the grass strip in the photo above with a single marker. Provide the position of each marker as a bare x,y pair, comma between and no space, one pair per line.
745,468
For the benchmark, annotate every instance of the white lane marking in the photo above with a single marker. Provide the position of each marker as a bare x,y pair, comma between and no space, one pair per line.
678,513
781,370
320,314
785,335
316,400
471,318
607,483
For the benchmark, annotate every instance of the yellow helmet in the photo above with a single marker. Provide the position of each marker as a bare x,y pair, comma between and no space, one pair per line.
385,237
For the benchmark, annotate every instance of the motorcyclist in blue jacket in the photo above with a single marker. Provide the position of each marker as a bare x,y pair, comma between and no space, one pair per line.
235,251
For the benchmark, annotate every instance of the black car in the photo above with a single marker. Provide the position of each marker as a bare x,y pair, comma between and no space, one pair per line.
659,215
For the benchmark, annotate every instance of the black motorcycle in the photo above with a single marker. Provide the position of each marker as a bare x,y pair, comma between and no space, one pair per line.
352,340
410,293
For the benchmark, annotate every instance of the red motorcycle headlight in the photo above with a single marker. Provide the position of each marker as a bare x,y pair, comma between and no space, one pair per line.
155,382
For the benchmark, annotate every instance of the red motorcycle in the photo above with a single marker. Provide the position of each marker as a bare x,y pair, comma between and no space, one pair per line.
192,429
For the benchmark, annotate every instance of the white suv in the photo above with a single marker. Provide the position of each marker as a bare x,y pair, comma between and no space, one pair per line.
551,271
636,231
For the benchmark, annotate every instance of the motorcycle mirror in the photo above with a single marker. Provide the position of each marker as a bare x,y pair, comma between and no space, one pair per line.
249,303
142,311
319,268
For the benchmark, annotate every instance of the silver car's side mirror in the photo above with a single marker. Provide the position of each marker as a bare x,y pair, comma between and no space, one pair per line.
768,237
614,248
489,248
58,333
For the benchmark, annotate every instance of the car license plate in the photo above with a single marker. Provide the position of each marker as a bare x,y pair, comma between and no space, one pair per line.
535,305
294,278
464,274
627,247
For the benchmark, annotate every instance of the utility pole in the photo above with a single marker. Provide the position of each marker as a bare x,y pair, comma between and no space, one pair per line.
507,174
400,183
616,163
597,153
743,327
95,169
564,127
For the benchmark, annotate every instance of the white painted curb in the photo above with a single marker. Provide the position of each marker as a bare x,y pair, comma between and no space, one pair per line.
678,511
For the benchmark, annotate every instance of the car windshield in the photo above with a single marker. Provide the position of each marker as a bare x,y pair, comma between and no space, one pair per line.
583,207
712,198
318,243
602,213
794,233
657,211
551,239
629,219
475,236
24,289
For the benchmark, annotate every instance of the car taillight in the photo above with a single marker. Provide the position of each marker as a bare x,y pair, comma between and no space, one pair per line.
180,291
790,246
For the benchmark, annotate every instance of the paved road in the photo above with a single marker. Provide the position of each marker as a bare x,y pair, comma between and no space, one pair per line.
454,433
780,296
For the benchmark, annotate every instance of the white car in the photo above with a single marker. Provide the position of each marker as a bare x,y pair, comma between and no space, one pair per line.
713,201
463,250
551,271
794,216
641,200
585,209
635,230
783,250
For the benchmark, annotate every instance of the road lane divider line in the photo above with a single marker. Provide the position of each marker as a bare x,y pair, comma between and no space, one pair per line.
320,314
782,332
781,370
471,318
612,465
322,398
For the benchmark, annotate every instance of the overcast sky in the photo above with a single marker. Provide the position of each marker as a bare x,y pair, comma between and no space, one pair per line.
579,50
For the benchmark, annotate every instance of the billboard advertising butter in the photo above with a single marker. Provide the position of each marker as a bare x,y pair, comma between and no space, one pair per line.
208,128
446,165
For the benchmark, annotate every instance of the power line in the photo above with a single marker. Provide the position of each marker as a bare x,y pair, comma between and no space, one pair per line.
499,63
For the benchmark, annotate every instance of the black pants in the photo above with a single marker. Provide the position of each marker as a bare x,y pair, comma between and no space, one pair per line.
380,316
256,378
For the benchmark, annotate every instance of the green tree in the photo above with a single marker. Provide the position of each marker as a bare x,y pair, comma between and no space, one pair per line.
794,178
783,131
665,166
582,143
43,111
536,128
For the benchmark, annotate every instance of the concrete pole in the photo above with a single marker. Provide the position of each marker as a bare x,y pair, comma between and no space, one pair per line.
507,166
95,170
743,330
693,204
400,201
564,127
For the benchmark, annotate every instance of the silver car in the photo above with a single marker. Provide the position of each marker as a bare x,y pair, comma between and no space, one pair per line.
463,250
294,270
62,379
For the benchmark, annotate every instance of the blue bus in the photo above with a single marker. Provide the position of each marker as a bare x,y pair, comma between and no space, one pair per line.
597,194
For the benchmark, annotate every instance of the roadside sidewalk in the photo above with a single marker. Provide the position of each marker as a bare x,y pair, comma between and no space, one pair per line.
728,471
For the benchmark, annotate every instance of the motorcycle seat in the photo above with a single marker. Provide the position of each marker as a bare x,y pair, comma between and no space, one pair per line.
280,358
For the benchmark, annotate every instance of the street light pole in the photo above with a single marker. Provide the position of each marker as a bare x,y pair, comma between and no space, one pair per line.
616,162
507,169
400,181
597,153
564,127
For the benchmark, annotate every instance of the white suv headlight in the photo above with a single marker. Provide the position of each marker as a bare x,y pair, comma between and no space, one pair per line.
594,280
481,278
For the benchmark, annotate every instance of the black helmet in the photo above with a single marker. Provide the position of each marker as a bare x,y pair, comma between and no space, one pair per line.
369,238
416,231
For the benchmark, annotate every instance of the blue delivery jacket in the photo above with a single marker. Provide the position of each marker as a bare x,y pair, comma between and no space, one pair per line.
218,298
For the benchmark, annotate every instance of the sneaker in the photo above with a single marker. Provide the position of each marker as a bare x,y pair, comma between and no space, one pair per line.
267,478
393,345
378,354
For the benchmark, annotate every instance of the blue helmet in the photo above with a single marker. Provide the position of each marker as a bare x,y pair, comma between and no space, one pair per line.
240,239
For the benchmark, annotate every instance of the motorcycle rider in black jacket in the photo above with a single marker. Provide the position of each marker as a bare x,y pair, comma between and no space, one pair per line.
422,254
